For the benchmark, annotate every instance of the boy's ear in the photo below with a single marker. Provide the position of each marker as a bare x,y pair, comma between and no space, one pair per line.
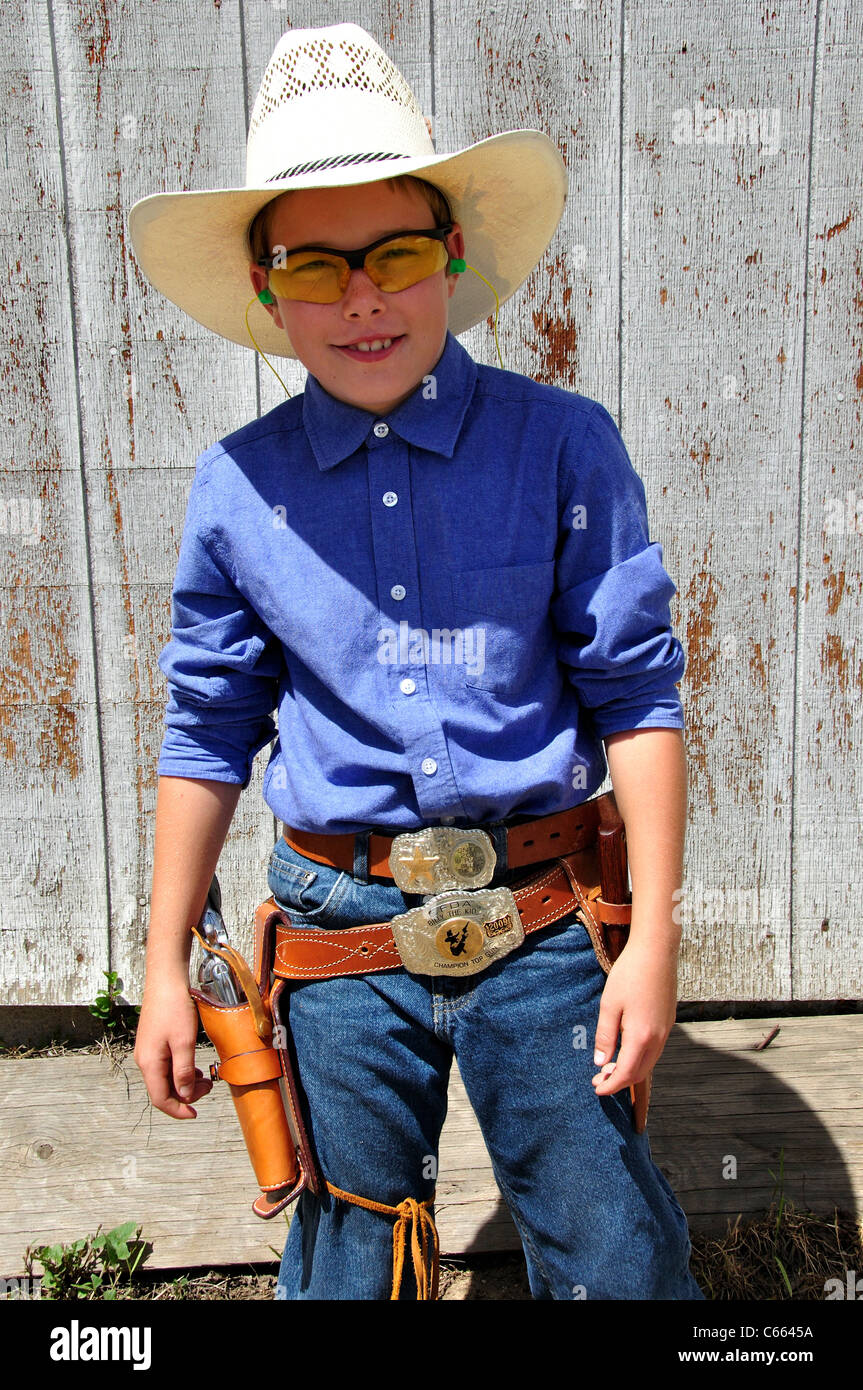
455,247
258,278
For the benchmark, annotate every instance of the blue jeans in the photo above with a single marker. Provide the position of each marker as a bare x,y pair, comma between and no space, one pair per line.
596,1217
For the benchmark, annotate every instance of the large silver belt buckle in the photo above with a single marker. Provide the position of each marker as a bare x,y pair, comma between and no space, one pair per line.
463,926
457,932
428,861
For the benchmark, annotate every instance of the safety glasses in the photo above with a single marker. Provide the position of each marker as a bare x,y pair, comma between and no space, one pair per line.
320,275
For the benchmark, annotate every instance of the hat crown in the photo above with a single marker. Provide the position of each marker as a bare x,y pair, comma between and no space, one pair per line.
330,97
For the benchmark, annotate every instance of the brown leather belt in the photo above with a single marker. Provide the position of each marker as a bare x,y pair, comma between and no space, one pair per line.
309,953
578,879
563,832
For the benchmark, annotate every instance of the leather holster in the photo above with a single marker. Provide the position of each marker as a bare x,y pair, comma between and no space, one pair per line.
256,1059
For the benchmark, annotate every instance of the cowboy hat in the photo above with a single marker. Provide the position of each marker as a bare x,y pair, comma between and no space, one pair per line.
332,111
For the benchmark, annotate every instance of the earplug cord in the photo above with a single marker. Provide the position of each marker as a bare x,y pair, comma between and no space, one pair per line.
252,301
456,264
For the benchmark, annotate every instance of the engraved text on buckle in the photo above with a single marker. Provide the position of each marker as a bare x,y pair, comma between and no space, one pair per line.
458,933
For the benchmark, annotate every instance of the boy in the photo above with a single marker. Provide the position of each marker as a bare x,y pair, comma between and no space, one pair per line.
440,574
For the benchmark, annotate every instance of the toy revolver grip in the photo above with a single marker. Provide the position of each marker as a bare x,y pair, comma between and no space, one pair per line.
242,1035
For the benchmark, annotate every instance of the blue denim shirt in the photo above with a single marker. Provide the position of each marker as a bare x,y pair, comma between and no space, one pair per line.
449,606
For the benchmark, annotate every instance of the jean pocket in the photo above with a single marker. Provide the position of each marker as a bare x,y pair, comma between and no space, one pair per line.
310,894
507,623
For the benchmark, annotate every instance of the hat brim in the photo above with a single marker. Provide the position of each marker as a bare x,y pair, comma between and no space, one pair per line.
507,192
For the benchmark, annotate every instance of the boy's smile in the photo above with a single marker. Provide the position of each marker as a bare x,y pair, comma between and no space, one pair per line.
405,331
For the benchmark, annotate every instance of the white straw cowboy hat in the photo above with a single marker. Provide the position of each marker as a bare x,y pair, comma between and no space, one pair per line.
333,111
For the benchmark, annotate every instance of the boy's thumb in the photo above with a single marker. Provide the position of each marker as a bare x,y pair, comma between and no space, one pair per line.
184,1081
604,1044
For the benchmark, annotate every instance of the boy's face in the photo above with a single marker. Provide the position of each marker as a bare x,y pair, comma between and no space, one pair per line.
415,319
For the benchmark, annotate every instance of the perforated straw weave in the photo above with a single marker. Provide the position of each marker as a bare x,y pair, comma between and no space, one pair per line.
320,63
331,98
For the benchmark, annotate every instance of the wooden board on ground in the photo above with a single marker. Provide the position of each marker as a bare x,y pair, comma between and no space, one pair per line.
80,1146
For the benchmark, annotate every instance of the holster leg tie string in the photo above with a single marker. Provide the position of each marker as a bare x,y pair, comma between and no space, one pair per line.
424,1237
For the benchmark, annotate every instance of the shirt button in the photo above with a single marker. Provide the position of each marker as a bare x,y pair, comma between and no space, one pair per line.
428,766
381,430
390,499
398,591
407,686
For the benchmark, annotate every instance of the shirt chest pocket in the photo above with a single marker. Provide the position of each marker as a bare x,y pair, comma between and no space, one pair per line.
504,620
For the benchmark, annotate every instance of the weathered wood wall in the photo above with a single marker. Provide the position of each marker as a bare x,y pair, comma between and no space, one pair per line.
704,284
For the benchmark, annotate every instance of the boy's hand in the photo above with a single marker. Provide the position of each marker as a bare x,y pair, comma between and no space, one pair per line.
165,1050
639,1002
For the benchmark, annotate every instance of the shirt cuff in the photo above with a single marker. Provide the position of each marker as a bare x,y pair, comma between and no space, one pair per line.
665,712
187,754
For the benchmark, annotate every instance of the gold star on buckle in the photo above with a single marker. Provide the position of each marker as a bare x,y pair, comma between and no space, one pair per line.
419,865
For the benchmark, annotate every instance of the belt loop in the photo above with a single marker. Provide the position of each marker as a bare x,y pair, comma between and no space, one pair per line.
361,855
497,830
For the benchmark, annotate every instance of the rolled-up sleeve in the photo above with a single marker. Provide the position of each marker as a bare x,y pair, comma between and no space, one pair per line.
611,605
222,663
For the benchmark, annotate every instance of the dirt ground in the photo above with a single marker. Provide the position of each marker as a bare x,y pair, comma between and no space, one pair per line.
784,1254
485,1278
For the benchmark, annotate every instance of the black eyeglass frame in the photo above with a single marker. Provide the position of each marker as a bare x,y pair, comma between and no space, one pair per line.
356,259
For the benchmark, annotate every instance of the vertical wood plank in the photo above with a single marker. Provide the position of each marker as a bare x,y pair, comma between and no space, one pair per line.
53,891
716,166
157,389
509,67
827,961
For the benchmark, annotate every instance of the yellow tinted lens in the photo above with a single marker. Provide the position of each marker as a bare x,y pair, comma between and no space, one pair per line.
404,261
313,276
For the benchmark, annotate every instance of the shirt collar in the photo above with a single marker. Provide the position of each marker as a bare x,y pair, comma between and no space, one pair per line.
431,417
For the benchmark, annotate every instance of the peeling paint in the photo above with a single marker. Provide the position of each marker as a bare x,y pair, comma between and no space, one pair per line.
756,666
835,586
43,681
649,147
557,335
700,454
99,27
837,661
836,228
702,655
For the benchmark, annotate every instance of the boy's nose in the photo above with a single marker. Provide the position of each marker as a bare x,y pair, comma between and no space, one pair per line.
362,294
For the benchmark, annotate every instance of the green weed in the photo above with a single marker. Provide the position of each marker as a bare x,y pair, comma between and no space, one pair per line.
96,1266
